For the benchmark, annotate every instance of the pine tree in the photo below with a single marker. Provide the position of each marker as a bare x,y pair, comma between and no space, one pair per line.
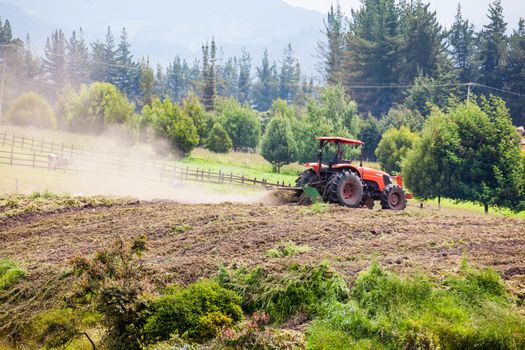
288,75
110,60
175,80
332,51
77,59
515,75
125,67
55,57
228,78
209,90
278,145
266,88
462,40
375,40
424,42
244,84
493,47
98,68
147,82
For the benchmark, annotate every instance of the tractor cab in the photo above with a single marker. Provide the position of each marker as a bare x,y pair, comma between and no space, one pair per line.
339,181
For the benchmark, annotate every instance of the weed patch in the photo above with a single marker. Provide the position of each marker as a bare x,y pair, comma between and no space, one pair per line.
285,249
299,288
470,310
10,274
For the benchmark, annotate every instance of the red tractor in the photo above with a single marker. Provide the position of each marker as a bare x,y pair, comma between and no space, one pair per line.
349,185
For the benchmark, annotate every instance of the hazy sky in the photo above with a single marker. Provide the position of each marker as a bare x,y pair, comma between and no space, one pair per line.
474,10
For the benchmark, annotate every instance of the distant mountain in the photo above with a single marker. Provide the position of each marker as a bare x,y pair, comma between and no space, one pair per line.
163,29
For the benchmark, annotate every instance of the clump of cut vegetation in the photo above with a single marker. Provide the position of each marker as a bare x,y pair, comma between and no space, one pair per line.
298,288
197,313
470,310
10,274
285,249
316,208
46,202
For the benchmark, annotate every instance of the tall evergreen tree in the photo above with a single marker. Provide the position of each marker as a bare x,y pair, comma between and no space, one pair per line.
124,65
493,47
147,82
98,67
228,78
244,85
515,76
461,39
374,44
55,57
209,91
266,88
110,58
77,59
288,75
332,51
175,80
424,45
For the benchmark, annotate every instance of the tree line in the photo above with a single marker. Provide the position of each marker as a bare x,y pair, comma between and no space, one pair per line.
390,52
73,61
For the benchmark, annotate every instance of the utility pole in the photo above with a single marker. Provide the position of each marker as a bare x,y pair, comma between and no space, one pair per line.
468,91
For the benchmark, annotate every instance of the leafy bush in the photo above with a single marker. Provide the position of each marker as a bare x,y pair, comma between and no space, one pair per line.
97,106
278,145
171,124
283,294
285,249
31,109
197,312
240,123
393,148
471,310
9,274
218,140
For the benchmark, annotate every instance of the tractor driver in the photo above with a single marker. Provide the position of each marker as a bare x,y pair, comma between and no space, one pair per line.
338,156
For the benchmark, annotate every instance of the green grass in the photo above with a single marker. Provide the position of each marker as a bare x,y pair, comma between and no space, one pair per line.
475,208
248,164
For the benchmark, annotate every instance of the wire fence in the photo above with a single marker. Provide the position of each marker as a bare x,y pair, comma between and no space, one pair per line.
20,150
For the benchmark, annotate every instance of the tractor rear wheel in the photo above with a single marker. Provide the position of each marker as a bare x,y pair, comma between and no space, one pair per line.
307,177
393,197
345,188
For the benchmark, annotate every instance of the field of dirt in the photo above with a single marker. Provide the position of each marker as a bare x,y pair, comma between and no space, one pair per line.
190,241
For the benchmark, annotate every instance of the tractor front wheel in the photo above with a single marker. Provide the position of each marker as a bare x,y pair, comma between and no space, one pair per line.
345,188
393,198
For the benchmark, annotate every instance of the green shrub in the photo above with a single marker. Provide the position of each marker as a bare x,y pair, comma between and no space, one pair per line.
218,140
31,109
393,148
197,312
283,294
471,310
285,249
9,274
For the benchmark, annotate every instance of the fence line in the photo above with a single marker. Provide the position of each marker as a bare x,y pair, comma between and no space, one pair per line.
30,152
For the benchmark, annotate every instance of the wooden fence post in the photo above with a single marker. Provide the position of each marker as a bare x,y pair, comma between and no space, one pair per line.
32,144
42,146
242,179
254,180
11,161
219,176
23,141
13,141
34,156
209,175
231,177
187,171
